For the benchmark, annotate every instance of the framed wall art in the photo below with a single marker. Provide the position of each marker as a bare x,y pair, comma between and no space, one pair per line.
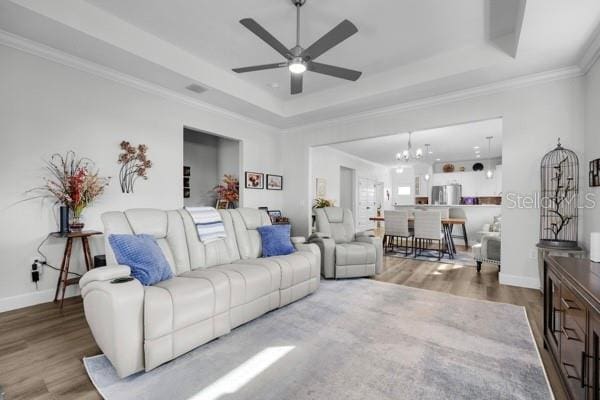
255,180
274,182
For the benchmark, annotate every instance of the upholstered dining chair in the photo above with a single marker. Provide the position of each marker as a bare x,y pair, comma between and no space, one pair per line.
428,229
397,230
345,253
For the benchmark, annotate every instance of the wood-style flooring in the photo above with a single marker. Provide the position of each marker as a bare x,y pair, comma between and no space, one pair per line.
41,347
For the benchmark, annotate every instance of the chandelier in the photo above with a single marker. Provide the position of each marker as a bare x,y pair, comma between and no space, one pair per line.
408,154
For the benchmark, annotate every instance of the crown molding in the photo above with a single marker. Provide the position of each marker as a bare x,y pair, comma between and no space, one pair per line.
459,95
591,53
49,53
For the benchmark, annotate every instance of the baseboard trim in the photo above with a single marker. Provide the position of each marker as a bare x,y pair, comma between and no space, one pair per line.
33,298
518,280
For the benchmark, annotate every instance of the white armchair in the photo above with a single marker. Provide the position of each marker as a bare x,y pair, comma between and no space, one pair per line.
344,252
488,250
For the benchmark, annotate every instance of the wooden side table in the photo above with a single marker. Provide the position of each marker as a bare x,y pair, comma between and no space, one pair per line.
63,276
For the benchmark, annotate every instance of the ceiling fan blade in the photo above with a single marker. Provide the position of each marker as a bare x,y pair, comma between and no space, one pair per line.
296,85
332,70
341,32
259,67
269,39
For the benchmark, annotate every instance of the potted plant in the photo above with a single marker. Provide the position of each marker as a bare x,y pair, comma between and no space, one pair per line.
321,202
73,182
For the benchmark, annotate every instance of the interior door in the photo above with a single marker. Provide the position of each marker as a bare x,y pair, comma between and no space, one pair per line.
593,358
367,203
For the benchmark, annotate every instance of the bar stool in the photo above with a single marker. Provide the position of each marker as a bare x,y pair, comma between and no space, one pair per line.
428,228
457,212
396,227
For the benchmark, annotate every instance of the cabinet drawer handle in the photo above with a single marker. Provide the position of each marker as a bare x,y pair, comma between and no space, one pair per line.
567,304
564,332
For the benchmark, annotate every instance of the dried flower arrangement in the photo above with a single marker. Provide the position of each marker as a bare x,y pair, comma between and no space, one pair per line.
74,182
135,165
229,190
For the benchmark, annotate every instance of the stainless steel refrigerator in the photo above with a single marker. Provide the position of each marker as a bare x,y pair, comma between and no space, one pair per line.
446,194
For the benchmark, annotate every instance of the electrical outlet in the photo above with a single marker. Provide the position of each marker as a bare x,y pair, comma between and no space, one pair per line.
533,254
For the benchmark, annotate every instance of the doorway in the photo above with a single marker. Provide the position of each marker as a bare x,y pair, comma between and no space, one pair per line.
347,189
207,159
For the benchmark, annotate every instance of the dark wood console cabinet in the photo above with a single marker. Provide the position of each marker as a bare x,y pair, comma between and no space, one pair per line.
572,323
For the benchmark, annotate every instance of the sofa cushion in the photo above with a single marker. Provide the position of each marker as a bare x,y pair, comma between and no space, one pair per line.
143,256
275,240
249,282
355,253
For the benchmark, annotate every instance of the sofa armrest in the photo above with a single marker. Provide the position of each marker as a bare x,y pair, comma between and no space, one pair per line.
107,273
298,239
378,243
327,249
319,235
114,313
369,233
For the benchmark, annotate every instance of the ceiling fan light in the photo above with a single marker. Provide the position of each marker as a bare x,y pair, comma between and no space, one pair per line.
297,67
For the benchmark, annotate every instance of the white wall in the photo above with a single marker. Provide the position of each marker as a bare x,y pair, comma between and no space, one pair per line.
46,107
228,158
200,153
591,216
326,162
533,118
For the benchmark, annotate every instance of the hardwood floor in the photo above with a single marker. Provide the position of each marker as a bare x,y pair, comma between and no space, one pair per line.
41,347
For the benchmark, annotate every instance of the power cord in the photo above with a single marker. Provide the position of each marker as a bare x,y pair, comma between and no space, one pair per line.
45,259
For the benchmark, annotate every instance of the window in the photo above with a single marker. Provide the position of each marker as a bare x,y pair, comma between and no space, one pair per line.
403,190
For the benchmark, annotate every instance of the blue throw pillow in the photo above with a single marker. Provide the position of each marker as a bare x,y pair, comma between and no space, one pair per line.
143,255
275,240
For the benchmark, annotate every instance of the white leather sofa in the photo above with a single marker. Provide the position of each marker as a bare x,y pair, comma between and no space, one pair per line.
216,286
344,252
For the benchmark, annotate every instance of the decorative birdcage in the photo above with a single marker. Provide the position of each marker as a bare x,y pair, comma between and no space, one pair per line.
559,198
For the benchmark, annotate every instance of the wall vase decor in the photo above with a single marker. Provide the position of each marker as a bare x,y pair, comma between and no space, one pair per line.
134,165
559,199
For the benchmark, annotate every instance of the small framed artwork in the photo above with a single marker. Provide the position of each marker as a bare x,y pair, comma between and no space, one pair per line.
255,180
274,215
222,204
187,171
321,189
186,193
274,182
595,173
186,181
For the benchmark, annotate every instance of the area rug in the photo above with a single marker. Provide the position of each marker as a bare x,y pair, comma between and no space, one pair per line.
354,339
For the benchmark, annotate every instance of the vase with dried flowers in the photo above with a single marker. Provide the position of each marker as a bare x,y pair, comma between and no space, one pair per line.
135,165
229,190
73,182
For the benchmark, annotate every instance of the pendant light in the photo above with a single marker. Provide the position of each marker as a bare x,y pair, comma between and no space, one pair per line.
489,174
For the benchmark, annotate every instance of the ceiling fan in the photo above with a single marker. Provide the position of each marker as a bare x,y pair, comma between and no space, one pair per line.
299,59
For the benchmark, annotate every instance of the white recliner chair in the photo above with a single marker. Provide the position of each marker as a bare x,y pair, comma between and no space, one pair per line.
344,252
216,286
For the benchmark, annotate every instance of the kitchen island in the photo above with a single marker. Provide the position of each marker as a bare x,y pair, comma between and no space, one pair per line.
476,216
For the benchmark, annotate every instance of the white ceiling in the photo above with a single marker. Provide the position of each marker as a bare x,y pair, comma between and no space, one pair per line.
407,49
452,143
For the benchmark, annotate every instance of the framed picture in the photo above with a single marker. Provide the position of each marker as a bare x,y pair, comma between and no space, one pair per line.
186,181
186,193
255,180
222,205
274,182
595,173
187,170
321,189
274,215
